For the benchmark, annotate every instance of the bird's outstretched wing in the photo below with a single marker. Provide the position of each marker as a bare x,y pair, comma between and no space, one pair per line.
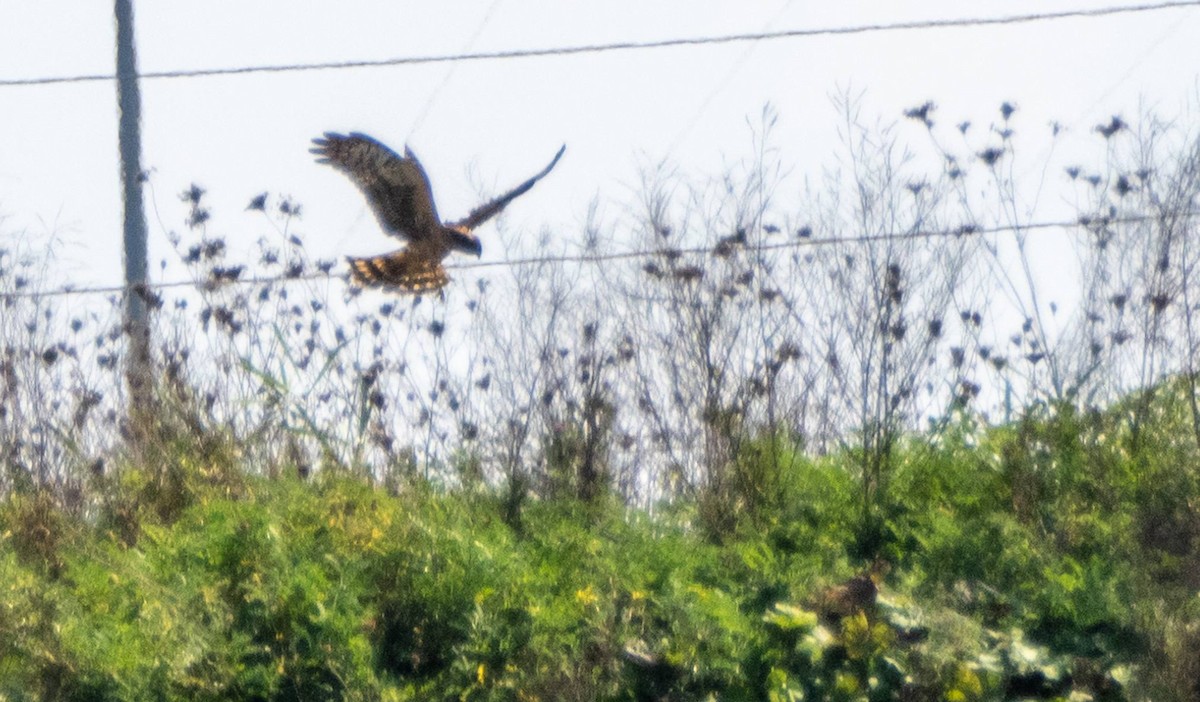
486,211
396,188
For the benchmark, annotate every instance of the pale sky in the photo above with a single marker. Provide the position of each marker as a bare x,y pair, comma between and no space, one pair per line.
489,124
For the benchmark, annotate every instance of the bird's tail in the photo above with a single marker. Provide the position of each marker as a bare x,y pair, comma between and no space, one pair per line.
400,270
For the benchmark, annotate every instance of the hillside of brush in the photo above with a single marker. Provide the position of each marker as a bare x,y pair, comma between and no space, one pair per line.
1042,559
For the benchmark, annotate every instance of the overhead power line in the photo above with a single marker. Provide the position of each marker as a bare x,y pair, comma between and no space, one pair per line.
625,45
794,243
420,120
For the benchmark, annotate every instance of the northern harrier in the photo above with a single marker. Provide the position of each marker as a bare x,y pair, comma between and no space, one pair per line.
399,193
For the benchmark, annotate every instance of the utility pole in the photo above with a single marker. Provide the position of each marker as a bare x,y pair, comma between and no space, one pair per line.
129,103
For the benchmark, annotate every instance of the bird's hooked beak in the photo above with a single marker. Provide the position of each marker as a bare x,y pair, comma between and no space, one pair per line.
465,241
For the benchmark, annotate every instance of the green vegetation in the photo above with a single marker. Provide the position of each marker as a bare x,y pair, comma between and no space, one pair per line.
797,451
1041,559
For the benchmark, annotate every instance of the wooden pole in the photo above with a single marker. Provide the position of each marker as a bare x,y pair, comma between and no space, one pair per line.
129,103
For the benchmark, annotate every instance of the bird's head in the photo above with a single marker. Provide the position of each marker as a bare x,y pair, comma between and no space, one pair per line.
463,240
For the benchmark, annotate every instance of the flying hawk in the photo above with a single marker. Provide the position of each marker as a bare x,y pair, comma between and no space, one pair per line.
399,193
